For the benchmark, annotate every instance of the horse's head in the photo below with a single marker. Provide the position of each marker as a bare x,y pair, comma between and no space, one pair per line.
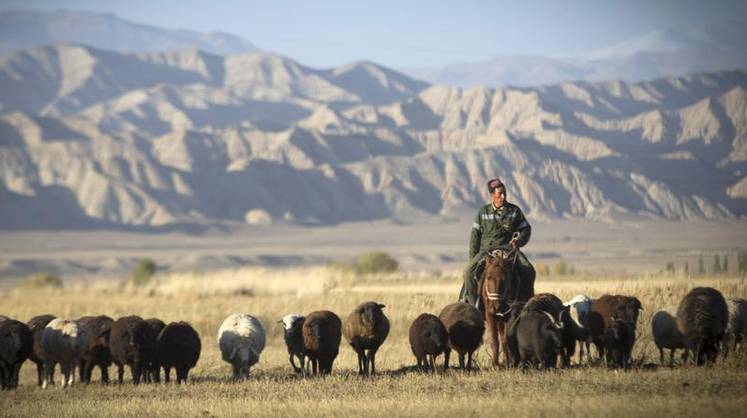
497,288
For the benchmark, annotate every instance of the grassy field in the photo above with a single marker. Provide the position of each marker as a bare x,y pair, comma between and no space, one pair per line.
205,300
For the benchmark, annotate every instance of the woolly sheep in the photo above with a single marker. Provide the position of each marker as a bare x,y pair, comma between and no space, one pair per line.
465,326
702,317
322,332
428,339
578,312
132,343
619,337
736,328
16,344
293,336
37,325
178,346
152,372
365,329
666,334
241,339
96,352
63,341
539,339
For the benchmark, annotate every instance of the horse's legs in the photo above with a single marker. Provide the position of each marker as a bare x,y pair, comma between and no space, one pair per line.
502,331
496,350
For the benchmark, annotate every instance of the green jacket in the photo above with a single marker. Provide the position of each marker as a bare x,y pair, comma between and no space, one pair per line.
493,228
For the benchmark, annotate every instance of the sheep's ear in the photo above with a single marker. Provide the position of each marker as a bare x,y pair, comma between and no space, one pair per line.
381,305
279,321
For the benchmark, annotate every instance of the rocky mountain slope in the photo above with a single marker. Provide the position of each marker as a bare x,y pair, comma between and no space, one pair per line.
95,138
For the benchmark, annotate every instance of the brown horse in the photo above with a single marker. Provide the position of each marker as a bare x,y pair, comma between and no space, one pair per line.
501,287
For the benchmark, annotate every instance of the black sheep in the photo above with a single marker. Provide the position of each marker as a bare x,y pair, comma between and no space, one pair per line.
132,343
97,352
37,325
16,344
702,318
428,339
178,347
539,339
465,326
618,340
153,370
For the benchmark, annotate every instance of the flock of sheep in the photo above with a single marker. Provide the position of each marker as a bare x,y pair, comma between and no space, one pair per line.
540,332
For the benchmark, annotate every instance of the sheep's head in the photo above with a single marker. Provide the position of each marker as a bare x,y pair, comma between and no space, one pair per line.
292,324
104,334
555,330
244,356
371,313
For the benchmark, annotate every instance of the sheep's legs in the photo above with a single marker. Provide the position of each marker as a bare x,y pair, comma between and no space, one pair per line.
167,374
40,373
372,358
661,356
447,354
120,374
48,371
362,361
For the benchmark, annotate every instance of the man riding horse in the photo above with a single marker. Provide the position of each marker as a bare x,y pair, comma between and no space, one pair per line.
498,225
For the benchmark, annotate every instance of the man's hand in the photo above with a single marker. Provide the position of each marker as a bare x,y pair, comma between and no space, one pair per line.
514,240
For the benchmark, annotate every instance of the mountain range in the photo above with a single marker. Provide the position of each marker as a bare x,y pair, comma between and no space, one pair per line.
21,29
106,139
676,51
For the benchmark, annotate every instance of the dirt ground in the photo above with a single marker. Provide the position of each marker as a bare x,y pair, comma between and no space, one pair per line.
434,245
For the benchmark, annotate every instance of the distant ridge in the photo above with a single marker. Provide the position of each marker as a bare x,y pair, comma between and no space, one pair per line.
673,52
20,29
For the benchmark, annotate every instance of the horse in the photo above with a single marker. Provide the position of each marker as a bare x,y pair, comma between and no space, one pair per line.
500,288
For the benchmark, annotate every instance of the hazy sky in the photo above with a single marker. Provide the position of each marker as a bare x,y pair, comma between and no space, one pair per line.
414,33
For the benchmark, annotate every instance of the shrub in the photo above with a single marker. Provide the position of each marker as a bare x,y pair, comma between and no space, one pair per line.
143,271
375,262
561,268
41,280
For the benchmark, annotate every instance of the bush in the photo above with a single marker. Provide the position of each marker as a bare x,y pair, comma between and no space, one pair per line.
143,272
375,262
41,280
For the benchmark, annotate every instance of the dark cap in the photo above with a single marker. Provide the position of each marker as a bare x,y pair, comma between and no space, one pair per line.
494,184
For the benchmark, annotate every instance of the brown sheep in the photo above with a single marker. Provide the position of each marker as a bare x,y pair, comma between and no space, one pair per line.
96,352
702,318
37,325
366,328
322,332
178,346
428,339
625,308
465,326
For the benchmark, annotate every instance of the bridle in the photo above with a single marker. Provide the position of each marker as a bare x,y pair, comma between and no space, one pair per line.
496,296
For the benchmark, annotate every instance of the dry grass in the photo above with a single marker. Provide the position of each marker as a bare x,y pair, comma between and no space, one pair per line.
205,300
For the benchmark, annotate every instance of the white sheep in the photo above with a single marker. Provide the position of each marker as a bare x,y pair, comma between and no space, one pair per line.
736,328
293,336
63,341
579,308
241,339
667,335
